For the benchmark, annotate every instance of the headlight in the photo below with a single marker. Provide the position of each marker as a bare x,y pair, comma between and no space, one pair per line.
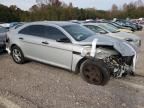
138,42
129,39
134,42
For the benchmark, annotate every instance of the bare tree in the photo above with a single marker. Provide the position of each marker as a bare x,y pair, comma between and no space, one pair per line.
50,2
70,5
139,3
125,7
34,8
42,1
13,7
114,8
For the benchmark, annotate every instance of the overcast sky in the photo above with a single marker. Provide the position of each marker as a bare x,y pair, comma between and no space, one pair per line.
98,4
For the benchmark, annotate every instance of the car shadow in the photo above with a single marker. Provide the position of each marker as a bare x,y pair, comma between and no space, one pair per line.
52,66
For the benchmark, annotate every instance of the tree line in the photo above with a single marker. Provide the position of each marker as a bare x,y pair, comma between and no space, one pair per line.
57,10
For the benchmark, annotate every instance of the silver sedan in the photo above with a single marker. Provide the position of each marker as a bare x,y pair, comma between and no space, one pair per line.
73,47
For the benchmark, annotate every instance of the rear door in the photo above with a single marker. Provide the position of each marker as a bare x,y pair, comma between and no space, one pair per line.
30,39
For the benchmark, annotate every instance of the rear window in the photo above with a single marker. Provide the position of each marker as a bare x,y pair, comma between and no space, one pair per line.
35,30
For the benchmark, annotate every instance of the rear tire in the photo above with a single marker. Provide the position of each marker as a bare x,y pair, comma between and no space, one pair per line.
17,55
95,72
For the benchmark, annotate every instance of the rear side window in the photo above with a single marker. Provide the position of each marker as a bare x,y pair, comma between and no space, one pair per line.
35,30
43,31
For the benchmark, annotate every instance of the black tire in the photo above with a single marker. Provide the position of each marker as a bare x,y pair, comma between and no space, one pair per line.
20,53
95,72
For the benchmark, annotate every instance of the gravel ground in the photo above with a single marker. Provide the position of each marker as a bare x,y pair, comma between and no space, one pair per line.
140,64
36,85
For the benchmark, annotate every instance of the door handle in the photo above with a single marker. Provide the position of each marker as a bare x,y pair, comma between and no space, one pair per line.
21,38
45,43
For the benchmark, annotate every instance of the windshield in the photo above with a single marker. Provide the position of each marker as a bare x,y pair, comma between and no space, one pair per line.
78,32
116,25
109,27
96,29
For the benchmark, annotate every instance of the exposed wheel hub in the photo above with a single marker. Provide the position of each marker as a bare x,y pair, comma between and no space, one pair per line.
92,74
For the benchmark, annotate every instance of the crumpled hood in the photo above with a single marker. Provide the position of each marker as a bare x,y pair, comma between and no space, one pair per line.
124,48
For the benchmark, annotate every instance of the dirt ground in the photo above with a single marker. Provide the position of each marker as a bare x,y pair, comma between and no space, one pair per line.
35,85
140,65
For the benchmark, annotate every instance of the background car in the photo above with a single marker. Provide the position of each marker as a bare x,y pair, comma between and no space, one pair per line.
105,28
121,28
133,26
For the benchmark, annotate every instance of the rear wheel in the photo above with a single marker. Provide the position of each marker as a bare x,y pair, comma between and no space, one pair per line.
95,72
17,55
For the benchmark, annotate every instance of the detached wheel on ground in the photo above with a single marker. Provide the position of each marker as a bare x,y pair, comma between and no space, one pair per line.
95,72
17,55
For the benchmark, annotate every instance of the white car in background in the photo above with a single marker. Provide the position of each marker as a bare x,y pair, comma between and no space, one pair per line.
120,28
107,29
6,25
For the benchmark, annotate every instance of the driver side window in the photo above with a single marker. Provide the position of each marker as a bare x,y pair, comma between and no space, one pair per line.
53,33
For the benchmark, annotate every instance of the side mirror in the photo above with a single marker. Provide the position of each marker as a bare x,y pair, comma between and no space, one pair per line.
64,40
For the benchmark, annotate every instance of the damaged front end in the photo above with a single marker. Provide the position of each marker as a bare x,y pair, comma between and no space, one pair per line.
120,59
119,66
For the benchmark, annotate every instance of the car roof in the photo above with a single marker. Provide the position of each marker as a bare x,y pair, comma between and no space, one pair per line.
59,23
96,24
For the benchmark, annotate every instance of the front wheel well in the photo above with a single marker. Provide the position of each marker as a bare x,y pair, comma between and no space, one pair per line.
77,70
13,45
